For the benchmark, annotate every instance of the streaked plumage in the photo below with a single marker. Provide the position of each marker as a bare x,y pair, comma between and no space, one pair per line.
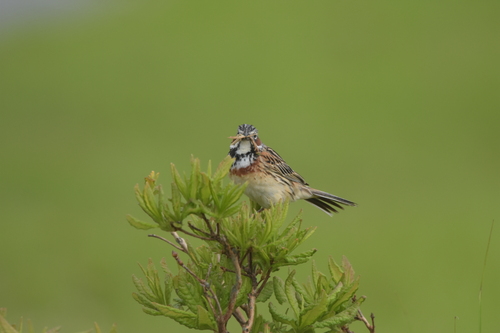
269,178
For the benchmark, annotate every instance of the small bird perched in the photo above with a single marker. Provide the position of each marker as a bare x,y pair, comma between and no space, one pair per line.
269,178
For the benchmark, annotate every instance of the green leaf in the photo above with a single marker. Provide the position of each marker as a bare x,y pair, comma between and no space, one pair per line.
280,317
266,292
151,204
141,299
332,296
193,182
348,292
181,185
290,294
5,327
335,270
185,318
176,201
138,224
348,271
315,273
151,311
345,317
205,320
279,290
142,288
223,169
187,291
301,291
205,189
315,312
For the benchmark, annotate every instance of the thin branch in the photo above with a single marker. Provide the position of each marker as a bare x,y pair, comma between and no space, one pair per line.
167,241
181,263
207,222
239,316
237,286
195,235
252,298
225,269
263,281
180,241
361,317
199,230
206,286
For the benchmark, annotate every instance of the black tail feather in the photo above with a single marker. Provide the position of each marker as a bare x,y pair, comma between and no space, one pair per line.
327,202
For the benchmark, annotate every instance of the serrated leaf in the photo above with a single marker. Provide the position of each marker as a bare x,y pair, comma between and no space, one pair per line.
138,224
151,204
142,300
290,294
332,296
279,290
185,318
176,201
322,283
335,271
315,312
139,198
348,271
315,272
188,292
301,291
280,317
345,317
348,292
181,185
151,312
266,292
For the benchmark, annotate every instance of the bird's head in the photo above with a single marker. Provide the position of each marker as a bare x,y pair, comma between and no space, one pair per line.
245,141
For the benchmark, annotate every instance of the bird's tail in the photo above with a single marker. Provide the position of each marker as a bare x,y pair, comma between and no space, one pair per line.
327,202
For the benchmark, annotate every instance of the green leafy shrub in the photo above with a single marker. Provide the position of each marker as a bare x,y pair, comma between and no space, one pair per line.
231,272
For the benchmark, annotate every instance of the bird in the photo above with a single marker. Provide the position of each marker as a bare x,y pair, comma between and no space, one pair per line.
270,179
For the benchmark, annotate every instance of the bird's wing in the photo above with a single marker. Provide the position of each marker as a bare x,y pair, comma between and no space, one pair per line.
278,166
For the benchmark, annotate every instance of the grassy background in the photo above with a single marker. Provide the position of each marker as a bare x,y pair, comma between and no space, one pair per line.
392,105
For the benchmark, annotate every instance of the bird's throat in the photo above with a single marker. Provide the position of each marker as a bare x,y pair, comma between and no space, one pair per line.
244,154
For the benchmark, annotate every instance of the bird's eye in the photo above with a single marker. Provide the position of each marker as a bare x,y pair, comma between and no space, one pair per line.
255,137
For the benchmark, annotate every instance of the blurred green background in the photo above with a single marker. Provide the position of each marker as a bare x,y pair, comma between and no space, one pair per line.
394,105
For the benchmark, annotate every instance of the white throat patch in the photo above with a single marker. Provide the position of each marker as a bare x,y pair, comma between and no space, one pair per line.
244,147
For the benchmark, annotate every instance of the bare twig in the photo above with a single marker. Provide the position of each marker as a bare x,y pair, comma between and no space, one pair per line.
252,297
239,316
195,235
180,241
199,230
361,317
225,269
263,281
237,285
167,241
207,222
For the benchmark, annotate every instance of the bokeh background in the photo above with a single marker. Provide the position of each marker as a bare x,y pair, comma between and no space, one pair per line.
394,105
